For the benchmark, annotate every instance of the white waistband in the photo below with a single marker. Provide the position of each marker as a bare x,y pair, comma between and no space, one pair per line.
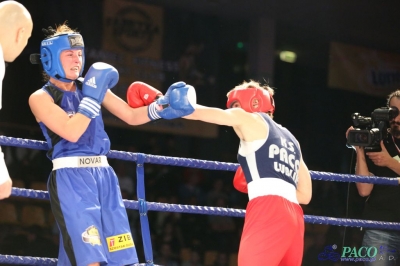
80,161
272,186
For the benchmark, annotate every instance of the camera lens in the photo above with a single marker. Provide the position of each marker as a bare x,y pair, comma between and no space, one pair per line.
361,137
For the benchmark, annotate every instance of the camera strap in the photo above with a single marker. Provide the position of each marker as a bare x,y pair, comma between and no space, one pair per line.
394,142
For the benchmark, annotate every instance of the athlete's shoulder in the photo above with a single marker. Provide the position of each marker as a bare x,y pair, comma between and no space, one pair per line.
39,92
40,95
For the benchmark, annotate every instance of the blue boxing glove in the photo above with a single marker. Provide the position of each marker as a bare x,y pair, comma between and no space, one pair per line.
99,78
179,101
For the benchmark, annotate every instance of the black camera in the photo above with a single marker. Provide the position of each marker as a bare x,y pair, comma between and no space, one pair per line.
369,131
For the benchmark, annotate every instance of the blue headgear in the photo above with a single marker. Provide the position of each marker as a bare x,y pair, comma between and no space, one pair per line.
51,48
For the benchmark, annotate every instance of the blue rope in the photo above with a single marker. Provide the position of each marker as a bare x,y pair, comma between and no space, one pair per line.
26,260
20,260
166,207
144,206
203,164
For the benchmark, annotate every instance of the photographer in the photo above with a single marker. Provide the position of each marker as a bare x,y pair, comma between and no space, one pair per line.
382,201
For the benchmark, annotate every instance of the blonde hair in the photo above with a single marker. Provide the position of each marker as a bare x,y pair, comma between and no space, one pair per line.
60,29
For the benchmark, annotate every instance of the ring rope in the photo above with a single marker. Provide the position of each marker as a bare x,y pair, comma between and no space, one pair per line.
26,260
203,164
143,206
166,207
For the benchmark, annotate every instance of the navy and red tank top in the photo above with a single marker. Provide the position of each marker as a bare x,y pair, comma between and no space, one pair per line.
276,156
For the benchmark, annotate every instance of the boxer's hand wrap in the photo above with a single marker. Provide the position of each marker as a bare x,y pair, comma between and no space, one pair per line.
152,111
89,107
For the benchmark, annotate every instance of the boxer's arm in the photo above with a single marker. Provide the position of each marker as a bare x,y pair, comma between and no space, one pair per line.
5,180
5,189
140,115
229,117
133,112
247,126
121,109
304,185
56,119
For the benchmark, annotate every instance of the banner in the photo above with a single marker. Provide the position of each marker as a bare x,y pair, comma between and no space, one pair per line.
132,34
133,43
363,70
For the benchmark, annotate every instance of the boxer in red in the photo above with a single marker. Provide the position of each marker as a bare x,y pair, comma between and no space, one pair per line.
272,172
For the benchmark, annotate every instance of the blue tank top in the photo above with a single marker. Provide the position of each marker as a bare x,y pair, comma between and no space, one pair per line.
277,156
94,141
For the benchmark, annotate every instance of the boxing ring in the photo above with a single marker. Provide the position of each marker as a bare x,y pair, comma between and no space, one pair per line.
143,206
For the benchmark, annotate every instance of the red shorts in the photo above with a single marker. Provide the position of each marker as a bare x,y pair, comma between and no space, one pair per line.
273,233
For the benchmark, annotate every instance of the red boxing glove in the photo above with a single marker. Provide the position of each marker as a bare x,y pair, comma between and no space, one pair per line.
141,94
239,181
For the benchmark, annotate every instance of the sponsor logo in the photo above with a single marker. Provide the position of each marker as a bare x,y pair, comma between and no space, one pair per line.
70,113
45,43
75,41
91,82
91,236
120,242
354,254
133,29
285,160
93,161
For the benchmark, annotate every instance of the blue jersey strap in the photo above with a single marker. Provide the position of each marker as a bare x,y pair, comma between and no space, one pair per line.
144,221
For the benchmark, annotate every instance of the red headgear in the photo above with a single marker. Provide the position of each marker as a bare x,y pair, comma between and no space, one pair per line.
245,97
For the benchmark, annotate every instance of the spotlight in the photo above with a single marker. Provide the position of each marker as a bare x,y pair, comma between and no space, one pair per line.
288,56
240,45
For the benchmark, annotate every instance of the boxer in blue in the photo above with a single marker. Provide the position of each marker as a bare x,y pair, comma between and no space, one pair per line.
84,191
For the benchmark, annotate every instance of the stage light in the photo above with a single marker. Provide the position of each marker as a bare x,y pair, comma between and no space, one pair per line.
288,56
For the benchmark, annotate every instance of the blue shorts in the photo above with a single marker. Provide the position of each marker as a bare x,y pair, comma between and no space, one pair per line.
91,216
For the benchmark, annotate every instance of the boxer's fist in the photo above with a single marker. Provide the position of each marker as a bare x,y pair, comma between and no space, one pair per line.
99,78
141,94
239,181
179,101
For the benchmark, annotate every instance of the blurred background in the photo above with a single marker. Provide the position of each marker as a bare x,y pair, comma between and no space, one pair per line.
325,60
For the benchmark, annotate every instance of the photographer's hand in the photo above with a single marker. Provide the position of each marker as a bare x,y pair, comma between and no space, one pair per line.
382,158
347,132
364,189
358,149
